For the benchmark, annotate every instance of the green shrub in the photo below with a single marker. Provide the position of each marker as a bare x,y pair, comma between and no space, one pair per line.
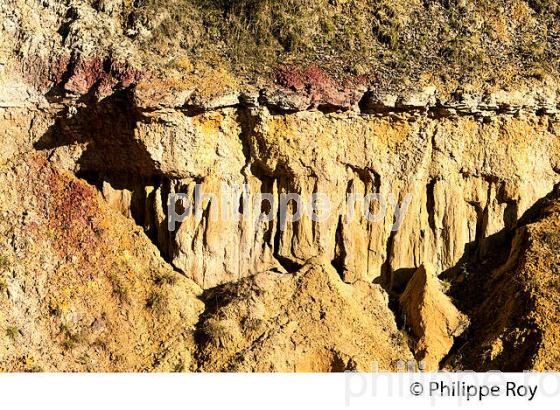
12,332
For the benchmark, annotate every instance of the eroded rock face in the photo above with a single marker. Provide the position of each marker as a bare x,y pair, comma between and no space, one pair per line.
453,186
431,316
514,308
452,168
458,184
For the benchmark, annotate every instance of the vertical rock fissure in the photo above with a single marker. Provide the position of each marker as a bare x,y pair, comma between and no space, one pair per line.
340,251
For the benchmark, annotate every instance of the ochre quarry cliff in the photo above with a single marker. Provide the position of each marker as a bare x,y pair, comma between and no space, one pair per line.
438,250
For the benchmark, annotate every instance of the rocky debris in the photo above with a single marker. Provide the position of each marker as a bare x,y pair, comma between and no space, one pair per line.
285,101
310,321
206,104
423,99
431,317
83,50
80,50
98,297
148,97
50,39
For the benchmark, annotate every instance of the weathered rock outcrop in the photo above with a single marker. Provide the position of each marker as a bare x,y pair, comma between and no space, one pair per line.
431,316
456,181
515,307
